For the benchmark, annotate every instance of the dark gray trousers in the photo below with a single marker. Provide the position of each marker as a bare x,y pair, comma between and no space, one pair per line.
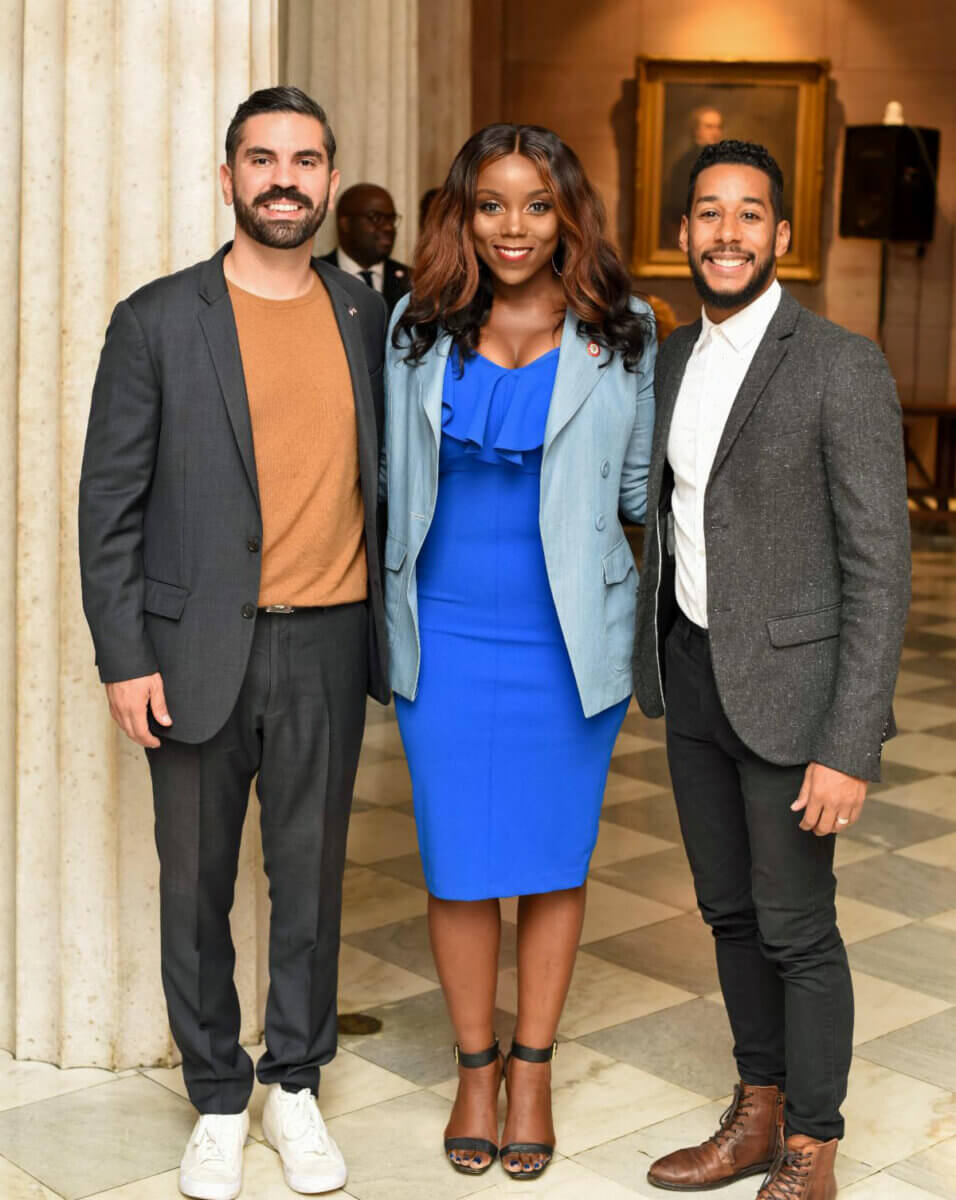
766,889
297,725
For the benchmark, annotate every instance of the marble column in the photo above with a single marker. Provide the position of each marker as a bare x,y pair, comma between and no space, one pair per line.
113,116
359,60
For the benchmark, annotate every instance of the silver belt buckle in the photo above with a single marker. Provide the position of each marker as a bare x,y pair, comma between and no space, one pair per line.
279,608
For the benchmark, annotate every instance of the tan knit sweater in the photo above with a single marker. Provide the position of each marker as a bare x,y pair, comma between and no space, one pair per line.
306,447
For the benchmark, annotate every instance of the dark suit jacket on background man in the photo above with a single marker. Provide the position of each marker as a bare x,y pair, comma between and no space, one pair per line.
397,278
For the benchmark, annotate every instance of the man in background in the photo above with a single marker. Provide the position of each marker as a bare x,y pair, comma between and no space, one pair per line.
366,221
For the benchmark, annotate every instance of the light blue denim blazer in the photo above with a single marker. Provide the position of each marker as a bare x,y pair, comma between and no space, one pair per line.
597,447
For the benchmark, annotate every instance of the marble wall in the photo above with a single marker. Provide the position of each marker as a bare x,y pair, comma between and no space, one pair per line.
572,67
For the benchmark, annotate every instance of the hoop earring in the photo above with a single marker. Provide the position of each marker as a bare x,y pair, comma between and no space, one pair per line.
554,266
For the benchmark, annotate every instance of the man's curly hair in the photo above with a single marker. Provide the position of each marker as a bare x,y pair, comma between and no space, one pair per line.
749,154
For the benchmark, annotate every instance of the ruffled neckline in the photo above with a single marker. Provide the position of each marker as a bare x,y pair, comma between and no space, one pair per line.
498,413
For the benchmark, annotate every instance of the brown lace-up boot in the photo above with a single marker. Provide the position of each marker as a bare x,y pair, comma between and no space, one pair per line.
804,1171
748,1141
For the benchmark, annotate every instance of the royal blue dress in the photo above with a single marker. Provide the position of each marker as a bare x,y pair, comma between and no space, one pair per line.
508,775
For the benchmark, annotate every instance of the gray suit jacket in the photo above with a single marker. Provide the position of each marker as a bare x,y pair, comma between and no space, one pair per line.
170,526
808,557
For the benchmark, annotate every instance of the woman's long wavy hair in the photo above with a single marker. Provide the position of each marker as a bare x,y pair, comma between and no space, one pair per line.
452,288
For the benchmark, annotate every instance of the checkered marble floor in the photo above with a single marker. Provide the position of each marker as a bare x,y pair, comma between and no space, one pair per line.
645,1062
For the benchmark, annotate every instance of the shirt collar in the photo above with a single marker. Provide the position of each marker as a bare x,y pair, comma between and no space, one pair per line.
747,326
351,267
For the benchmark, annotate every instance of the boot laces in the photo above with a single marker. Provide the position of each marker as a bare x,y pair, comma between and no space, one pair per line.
786,1177
732,1118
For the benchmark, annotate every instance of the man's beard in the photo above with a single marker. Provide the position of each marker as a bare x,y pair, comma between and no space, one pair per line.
739,299
280,235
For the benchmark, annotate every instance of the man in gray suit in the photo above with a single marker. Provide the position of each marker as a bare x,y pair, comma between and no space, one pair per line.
771,616
230,539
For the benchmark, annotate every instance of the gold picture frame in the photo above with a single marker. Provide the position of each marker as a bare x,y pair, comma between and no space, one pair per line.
783,105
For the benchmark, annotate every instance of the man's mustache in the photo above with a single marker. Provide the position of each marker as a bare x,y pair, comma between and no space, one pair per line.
278,193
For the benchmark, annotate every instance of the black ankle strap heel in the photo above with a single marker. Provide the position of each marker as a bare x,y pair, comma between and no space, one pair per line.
529,1054
481,1058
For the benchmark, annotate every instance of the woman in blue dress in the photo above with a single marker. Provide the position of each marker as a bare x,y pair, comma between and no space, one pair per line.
519,420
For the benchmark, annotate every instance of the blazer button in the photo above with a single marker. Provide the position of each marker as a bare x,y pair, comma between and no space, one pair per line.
605,469
248,611
599,522
253,545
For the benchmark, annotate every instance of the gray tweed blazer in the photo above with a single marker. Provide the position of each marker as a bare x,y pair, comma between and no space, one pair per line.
808,554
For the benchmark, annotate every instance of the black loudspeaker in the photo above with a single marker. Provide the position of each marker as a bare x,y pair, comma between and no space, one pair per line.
889,183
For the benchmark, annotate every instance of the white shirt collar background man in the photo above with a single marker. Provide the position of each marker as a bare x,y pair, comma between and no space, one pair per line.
351,267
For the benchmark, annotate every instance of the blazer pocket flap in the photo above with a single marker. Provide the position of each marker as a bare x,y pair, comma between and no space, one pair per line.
394,553
805,627
165,599
618,562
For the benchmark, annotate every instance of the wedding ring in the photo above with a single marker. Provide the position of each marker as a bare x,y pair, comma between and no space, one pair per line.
843,820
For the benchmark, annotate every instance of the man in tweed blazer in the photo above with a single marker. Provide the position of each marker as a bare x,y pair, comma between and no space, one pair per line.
770,622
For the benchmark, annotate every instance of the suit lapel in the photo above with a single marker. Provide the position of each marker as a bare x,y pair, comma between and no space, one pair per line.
350,329
769,354
577,376
219,328
671,365
431,382
395,286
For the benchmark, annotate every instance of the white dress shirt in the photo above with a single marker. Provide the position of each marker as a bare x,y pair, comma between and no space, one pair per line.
715,370
351,267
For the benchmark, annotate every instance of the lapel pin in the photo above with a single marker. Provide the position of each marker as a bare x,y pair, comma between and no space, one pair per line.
594,349
399,274
353,312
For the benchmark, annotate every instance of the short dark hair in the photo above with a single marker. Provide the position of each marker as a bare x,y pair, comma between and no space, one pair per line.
749,154
278,99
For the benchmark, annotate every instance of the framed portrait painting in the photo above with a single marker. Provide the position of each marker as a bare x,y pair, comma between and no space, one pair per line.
684,105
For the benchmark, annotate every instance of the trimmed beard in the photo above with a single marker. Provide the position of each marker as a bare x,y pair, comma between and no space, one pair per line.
750,291
280,235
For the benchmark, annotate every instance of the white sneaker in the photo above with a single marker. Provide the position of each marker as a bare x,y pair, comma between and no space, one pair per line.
293,1125
211,1168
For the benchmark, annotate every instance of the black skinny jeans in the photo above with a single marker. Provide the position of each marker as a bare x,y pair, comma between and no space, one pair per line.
766,889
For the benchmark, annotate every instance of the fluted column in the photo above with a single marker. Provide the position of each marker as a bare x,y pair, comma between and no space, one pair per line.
359,59
114,117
